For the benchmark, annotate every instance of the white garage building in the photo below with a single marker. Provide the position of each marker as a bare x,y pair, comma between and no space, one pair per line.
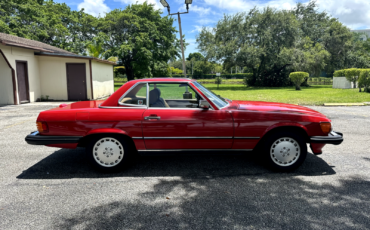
30,70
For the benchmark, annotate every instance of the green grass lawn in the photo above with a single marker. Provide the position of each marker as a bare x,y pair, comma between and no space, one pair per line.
314,95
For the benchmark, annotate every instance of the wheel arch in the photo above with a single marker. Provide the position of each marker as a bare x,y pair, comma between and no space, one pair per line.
286,128
105,132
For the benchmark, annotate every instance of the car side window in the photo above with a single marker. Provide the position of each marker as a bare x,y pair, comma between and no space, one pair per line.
136,96
172,95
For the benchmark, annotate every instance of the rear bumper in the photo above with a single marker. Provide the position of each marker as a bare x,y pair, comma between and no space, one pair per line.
36,139
334,138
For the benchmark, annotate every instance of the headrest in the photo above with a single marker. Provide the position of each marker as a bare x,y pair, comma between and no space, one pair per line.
154,95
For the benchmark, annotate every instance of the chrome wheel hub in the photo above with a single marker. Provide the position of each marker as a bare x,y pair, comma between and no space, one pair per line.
108,152
285,151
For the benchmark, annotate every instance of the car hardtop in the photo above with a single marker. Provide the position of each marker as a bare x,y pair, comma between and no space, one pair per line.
113,99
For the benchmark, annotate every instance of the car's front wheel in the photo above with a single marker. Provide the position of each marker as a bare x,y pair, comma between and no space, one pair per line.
285,151
108,153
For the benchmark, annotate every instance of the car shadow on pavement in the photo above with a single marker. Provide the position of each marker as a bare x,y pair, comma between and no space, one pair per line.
264,202
65,164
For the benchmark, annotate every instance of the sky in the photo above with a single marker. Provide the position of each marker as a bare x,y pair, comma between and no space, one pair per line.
353,13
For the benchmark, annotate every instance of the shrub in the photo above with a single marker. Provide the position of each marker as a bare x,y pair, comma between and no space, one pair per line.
352,75
364,80
298,78
218,80
339,73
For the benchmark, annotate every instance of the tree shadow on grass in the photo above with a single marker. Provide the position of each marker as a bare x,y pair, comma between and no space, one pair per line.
245,202
65,164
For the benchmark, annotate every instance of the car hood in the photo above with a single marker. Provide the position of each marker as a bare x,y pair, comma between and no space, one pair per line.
261,106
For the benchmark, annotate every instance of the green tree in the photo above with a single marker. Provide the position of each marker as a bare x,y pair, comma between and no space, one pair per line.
49,22
195,56
306,56
142,40
252,40
259,41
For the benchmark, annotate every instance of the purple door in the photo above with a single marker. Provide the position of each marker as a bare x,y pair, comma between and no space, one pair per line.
76,81
22,79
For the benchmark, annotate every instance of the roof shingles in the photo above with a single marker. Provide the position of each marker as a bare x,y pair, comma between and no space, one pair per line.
43,48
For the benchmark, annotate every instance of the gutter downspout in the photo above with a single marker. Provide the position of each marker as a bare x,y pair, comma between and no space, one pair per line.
91,81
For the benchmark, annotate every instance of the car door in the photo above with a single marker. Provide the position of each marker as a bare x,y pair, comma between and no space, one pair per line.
176,123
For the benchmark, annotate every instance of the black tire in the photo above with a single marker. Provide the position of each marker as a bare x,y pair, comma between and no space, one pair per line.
114,153
276,154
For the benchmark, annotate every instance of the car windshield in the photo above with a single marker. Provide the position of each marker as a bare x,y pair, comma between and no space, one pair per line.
219,101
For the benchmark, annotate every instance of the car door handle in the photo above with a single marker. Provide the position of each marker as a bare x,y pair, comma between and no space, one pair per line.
152,117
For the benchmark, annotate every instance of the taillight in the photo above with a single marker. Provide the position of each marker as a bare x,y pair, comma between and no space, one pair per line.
42,127
325,127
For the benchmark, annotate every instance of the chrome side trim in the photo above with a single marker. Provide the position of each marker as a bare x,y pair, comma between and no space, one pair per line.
112,107
193,150
137,138
246,137
161,138
178,108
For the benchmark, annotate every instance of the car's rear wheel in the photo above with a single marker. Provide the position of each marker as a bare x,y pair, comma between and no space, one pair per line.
285,151
108,153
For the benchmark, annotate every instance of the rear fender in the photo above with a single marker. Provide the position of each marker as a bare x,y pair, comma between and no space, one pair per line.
106,130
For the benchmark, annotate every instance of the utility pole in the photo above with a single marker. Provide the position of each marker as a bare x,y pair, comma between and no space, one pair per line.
182,47
187,2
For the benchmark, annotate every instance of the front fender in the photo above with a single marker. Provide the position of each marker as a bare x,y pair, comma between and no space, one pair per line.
285,124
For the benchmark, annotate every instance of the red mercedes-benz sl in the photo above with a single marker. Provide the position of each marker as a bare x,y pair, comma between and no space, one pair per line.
169,114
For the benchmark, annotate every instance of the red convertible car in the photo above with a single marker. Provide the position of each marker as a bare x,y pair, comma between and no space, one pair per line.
169,114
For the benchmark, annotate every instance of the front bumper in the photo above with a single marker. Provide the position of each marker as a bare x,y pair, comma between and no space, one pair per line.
334,138
36,139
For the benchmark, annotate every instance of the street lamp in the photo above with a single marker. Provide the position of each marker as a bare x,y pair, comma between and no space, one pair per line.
187,2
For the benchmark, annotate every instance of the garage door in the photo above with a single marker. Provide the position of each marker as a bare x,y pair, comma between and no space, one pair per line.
76,81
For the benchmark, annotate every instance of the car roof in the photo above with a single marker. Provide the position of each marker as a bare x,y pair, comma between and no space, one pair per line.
162,79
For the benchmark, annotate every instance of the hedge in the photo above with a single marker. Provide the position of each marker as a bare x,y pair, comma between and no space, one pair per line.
339,73
364,79
213,76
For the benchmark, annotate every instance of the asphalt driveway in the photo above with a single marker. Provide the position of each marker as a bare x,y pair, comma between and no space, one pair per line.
50,188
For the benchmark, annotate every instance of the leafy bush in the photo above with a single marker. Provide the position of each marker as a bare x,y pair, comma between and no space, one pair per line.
339,73
364,80
298,78
119,71
352,75
218,80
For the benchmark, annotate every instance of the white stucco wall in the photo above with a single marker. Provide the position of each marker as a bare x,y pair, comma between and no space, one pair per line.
6,83
103,80
18,54
53,76
341,83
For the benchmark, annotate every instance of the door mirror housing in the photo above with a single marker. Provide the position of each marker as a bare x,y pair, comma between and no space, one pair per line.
204,104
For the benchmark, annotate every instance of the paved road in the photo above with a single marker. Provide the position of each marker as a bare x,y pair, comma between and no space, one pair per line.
49,188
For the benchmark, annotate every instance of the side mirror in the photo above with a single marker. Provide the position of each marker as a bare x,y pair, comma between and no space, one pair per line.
204,104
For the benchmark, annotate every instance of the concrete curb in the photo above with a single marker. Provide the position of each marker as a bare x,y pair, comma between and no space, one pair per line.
344,104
